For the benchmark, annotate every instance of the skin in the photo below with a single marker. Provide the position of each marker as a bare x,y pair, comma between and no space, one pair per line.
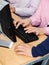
24,22
12,9
36,30
23,49
28,27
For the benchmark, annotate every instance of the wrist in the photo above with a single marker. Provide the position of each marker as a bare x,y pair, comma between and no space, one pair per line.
42,30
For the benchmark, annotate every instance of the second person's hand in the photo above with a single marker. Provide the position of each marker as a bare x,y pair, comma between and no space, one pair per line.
36,30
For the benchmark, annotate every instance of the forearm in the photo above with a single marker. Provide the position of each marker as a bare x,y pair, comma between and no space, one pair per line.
46,30
15,17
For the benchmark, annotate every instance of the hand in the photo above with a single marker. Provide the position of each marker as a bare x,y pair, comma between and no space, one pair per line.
37,30
40,31
12,9
23,49
30,29
24,22
15,22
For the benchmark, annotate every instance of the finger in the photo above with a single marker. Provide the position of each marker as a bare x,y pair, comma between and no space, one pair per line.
25,45
20,53
31,31
21,46
37,33
15,22
28,31
18,25
19,49
26,28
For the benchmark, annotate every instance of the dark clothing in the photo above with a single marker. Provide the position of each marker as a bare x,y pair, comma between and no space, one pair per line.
41,49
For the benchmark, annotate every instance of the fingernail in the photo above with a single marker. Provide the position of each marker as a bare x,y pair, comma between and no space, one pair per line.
16,27
24,29
26,32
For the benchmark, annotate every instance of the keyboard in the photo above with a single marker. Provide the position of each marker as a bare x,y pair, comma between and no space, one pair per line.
26,37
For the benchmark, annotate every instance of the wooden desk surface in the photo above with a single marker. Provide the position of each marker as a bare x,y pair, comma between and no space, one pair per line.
9,57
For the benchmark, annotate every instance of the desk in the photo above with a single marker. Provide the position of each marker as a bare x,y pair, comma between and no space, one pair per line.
9,57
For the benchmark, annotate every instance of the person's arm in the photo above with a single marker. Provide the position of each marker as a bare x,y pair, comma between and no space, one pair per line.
46,30
27,11
28,50
41,49
36,19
